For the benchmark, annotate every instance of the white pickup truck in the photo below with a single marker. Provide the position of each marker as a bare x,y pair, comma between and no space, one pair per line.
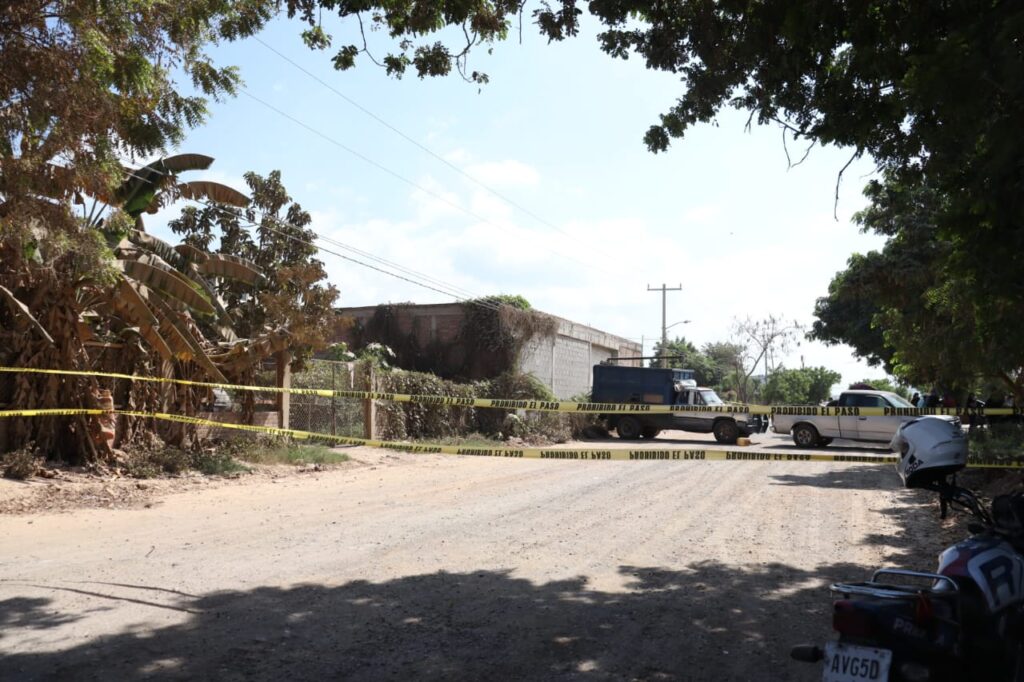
814,431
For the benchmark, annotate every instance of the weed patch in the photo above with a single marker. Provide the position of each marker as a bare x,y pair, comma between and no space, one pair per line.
218,463
278,451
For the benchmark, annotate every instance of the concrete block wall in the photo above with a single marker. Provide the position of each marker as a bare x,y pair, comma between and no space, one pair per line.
564,363
573,373
538,359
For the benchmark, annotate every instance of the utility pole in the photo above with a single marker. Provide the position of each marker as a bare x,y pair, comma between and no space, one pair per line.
664,321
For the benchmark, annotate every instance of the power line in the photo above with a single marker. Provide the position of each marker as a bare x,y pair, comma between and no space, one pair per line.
400,177
473,299
465,297
415,142
448,291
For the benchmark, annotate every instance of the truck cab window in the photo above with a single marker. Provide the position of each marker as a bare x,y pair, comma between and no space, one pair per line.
868,401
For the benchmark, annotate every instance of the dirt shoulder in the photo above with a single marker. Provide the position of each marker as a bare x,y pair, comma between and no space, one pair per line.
68,490
438,567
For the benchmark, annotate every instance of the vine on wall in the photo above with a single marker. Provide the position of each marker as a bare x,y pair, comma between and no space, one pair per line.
490,341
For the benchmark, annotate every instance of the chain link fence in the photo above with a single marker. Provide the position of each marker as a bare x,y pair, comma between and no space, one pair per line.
336,416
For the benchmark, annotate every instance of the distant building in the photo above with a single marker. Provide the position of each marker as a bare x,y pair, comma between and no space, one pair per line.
429,338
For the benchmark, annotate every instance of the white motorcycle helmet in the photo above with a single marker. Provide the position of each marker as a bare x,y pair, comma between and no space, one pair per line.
930,449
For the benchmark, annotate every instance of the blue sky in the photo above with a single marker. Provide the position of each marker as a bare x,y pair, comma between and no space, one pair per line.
558,130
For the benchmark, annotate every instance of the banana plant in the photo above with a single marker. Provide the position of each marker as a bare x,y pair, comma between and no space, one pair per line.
164,290
160,290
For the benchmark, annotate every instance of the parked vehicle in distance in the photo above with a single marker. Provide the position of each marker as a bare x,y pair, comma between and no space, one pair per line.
667,386
810,431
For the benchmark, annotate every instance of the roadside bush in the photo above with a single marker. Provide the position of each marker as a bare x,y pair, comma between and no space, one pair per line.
514,387
399,421
997,442
217,463
19,464
443,423
153,462
285,451
583,424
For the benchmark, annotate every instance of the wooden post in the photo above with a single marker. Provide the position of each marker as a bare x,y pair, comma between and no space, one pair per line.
369,408
284,380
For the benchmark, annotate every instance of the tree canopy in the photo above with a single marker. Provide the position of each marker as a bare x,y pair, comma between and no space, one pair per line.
686,355
913,308
803,386
293,294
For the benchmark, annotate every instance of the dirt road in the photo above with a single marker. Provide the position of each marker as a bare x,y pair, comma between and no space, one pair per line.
434,567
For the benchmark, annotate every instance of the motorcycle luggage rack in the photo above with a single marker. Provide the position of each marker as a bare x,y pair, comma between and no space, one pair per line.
884,590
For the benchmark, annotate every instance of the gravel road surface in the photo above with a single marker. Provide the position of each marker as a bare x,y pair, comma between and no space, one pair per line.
434,567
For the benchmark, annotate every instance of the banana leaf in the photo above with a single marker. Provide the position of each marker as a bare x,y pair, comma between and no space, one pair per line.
214,191
21,310
224,326
132,303
231,267
152,272
138,193
170,320
191,253
186,162
161,248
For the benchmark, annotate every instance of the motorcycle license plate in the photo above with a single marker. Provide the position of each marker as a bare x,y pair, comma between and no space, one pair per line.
849,663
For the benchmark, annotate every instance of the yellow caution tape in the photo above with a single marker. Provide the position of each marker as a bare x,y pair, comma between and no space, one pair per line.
576,454
453,401
51,412
557,405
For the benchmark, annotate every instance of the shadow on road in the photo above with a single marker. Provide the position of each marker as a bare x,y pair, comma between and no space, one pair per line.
855,477
705,622
857,448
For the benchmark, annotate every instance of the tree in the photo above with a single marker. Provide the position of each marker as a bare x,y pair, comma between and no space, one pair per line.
685,355
731,373
804,386
294,294
147,303
912,309
882,385
762,343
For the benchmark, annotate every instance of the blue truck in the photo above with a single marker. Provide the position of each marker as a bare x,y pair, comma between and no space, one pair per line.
666,386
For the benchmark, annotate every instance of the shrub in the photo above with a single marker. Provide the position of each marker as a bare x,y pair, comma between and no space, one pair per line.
1000,441
396,421
217,463
152,462
19,464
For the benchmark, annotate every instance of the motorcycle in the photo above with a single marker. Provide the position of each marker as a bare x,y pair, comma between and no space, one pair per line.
965,621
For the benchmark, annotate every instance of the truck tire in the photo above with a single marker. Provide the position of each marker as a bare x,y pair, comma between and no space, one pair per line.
628,428
726,431
805,436
650,432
